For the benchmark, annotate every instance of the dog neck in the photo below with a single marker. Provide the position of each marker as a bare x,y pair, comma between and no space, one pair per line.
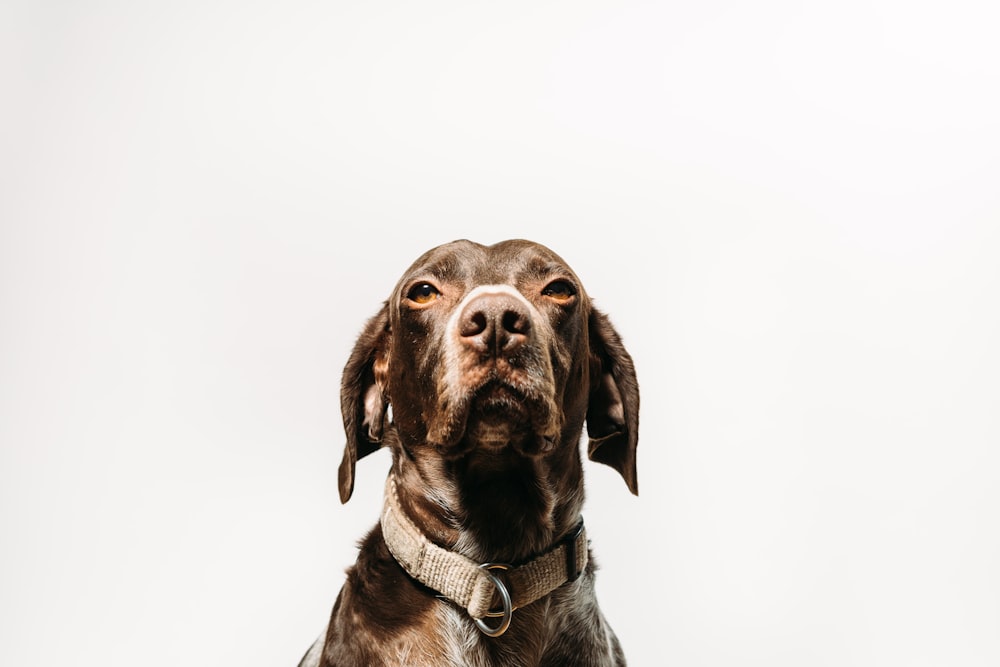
492,506
473,585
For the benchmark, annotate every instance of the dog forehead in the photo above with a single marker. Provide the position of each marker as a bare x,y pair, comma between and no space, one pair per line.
507,262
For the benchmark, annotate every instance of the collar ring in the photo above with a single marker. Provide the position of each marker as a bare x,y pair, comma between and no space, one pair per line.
507,613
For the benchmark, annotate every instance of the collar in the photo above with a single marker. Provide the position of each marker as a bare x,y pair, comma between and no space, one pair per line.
472,585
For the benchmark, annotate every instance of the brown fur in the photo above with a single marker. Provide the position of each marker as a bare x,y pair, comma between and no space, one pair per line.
489,393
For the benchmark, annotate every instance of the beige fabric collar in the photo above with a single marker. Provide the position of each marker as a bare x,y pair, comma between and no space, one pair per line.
472,585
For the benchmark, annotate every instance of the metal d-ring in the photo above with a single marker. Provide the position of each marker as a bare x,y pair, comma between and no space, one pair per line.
507,613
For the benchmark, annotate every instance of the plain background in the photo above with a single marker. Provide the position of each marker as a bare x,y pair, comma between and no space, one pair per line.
790,211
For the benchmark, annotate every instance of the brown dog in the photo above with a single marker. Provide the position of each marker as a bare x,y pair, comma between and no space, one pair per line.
479,373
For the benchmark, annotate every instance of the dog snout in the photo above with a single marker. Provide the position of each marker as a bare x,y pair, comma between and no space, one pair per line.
494,324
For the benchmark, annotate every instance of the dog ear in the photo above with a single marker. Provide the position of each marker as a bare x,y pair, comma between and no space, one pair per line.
363,398
613,410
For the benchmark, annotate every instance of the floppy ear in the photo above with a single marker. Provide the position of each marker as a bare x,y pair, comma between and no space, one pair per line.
363,399
613,410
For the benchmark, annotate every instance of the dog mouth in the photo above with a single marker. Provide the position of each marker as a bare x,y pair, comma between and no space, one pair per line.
500,398
498,414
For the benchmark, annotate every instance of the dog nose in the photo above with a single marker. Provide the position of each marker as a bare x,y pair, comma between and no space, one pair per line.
494,324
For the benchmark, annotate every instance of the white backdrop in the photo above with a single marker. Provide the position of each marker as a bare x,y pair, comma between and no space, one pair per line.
790,211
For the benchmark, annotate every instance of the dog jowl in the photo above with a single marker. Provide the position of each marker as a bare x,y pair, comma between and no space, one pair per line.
479,373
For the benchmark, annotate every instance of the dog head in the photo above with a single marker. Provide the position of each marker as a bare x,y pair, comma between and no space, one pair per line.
490,349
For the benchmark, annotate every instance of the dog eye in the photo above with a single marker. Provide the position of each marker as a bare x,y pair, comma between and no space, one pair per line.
560,290
423,293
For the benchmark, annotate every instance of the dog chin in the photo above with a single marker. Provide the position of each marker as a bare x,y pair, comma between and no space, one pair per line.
490,434
495,417
498,416
498,431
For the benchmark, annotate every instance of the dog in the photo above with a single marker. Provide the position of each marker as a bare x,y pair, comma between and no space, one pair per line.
479,373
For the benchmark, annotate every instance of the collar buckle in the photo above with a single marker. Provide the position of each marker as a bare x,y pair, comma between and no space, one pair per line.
572,571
